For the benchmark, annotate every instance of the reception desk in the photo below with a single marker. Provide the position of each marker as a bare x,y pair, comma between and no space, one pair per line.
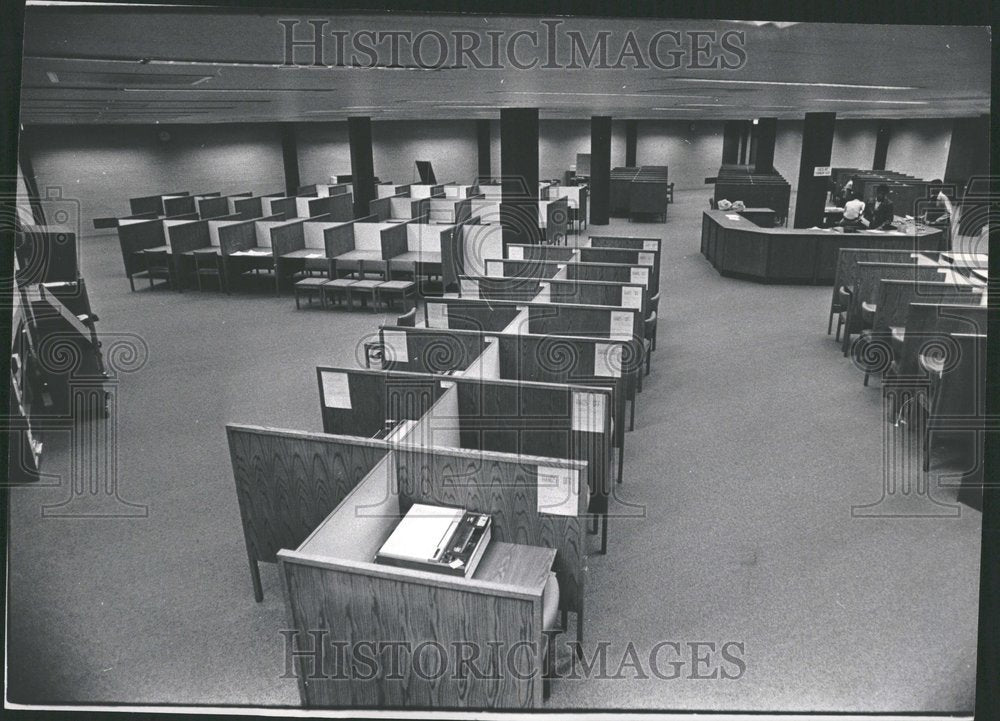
738,247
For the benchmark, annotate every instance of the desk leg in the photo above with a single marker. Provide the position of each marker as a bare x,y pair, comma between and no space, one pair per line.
621,461
258,591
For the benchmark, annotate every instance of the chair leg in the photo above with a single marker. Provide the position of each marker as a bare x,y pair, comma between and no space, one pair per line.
604,535
631,420
131,283
621,462
297,306
829,323
866,379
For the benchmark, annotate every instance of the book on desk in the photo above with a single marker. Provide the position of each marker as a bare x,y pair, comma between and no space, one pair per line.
439,539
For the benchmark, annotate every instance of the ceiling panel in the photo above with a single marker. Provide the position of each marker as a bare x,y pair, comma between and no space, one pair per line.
175,64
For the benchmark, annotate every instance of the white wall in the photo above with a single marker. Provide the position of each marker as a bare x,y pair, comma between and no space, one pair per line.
691,149
101,167
324,150
920,147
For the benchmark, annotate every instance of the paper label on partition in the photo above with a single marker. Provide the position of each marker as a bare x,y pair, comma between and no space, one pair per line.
558,491
437,315
470,287
650,245
515,253
396,347
640,276
632,297
645,259
621,324
608,360
588,412
336,389
822,171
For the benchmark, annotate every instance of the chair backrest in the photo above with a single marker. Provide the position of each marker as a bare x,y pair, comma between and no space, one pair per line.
408,319
654,303
711,204
649,325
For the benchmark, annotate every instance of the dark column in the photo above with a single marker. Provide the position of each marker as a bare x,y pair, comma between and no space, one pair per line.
765,130
600,169
817,145
731,142
519,169
483,139
359,133
744,142
290,155
631,140
882,145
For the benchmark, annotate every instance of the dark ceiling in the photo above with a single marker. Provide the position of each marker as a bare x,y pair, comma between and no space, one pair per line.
119,64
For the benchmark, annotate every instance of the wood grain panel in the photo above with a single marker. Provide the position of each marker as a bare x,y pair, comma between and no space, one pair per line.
354,608
338,239
287,482
507,491
248,208
236,237
380,208
288,237
179,206
189,236
393,241
213,207
433,350
622,241
139,236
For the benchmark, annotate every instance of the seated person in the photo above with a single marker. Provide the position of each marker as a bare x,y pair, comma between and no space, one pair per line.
854,209
940,211
841,196
880,214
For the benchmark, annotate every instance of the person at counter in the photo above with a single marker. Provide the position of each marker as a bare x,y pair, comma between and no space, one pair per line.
854,209
842,195
880,214
941,210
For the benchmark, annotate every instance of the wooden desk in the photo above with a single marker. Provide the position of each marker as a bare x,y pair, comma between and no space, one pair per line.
763,217
739,248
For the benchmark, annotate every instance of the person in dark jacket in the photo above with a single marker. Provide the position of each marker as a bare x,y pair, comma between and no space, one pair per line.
880,213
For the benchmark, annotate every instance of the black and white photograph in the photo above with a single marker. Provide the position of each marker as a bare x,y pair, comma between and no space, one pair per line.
486,360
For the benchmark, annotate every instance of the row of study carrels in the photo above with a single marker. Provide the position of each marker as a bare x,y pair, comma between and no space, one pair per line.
916,320
500,404
185,247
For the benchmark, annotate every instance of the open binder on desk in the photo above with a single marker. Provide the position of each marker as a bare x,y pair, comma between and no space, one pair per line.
437,539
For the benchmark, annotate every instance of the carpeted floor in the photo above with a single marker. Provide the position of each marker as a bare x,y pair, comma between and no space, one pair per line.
754,439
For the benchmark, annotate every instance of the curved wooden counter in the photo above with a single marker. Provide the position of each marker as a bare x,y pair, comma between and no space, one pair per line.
737,247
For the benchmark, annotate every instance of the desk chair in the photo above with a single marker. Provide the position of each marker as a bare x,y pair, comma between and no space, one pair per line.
209,265
388,291
649,338
366,287
310,286
551,630
838,307
158,267
654,307
336,289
